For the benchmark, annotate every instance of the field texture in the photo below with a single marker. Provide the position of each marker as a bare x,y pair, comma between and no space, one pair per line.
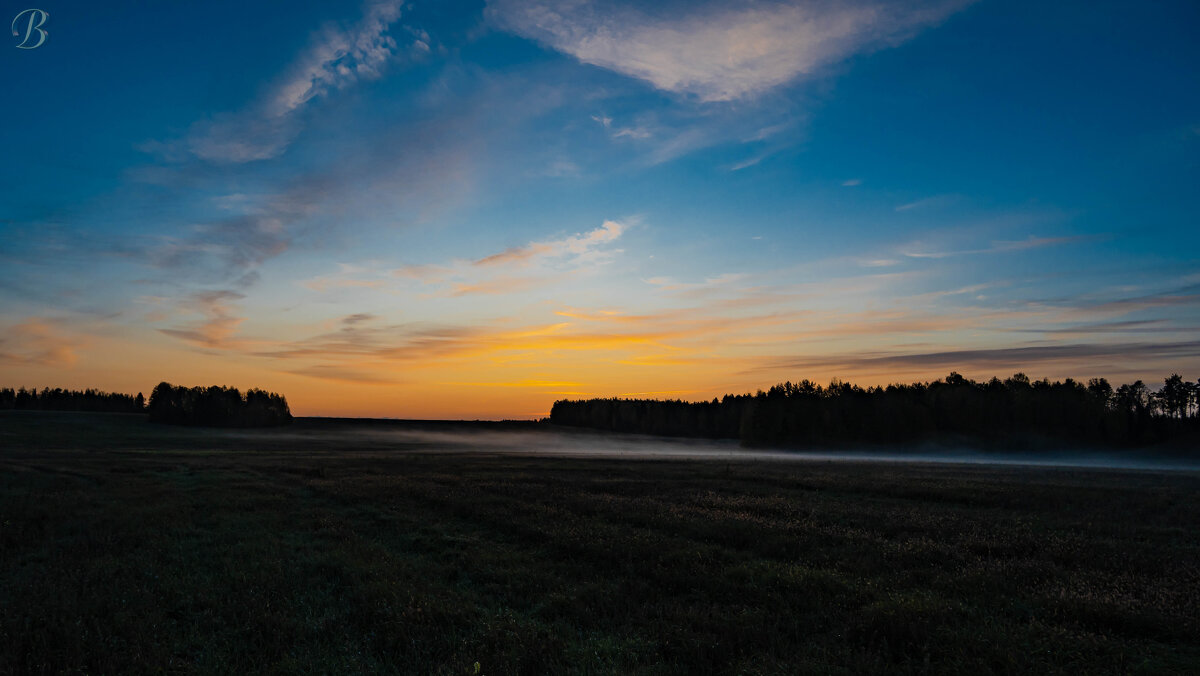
127,547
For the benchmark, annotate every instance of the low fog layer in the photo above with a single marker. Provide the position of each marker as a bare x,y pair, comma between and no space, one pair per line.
469,438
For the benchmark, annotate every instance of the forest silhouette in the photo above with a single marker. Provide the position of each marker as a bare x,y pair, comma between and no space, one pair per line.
213,406
217,406
1012,413
58,399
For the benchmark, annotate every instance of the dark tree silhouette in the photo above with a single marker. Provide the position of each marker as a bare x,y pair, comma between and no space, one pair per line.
1174,397
1013,413
1101,390
58,399
217,406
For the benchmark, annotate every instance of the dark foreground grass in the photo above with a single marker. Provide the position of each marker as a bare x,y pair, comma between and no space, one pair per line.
127,548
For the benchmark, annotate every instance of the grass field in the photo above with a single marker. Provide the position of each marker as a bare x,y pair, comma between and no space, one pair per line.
132,548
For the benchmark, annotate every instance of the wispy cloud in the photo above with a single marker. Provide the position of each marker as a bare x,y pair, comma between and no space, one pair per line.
751,161
1173,298
218,324
229,247
632,132
878,262
424,272
497,286
348,277
493,274
373,350
719,281
718,51
535,265
636,132
1135,326
336,58
327,283
1000,246
515,255
356,376
928,202
38,340
214,236
995,360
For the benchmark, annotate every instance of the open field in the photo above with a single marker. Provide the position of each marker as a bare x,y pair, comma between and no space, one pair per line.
332,548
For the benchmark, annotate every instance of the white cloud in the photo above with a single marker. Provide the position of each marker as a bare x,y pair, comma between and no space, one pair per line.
537,263
339,58
607,232
928,202
748,162
632,132
617,132
718,52
335,59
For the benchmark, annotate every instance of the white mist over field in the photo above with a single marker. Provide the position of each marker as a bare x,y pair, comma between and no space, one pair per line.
558,442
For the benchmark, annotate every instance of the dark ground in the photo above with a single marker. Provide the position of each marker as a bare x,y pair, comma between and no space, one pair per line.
127,547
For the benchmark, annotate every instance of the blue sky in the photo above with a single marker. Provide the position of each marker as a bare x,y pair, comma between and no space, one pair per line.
472,209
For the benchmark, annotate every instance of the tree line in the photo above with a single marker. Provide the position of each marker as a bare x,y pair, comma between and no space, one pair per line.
214,406
1015,412
217,406
58,399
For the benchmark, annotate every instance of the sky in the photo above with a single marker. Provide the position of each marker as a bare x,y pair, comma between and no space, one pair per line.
472,209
